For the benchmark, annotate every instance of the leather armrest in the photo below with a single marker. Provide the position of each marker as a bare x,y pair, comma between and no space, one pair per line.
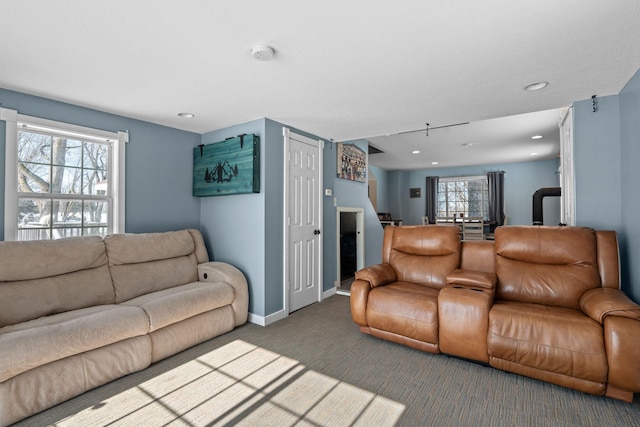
602,302
478,279
377,275
463,320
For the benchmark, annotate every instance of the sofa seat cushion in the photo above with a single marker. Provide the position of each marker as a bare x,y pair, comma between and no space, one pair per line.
27,345
553,339
405,309
182,302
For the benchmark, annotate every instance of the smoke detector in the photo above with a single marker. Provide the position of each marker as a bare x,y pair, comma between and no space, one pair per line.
262,52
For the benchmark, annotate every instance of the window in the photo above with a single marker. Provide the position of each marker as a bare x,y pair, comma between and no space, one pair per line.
466,195
62,181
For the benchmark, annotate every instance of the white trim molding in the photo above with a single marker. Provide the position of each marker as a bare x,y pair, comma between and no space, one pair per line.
266,320
10,173
117,157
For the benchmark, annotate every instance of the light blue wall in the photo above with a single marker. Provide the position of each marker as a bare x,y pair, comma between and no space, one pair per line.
247,230
397,184
597,163
630,177
274,214
598,159
521,180
353,194
329,243
234,226
158,163
606,154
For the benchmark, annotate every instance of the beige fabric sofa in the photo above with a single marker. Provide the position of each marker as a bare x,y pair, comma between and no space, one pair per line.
77,313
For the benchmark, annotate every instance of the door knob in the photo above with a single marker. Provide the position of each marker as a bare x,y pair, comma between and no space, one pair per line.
316,231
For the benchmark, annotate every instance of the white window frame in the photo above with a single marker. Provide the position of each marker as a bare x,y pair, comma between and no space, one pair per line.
117,140
465,178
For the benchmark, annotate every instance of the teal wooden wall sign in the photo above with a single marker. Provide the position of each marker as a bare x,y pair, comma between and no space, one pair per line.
228,167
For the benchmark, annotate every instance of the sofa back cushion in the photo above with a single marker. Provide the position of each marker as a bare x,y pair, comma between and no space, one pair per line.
422,254
144,263
546,265
39,278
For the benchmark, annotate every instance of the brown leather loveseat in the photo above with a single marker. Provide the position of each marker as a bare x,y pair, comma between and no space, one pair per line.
543,302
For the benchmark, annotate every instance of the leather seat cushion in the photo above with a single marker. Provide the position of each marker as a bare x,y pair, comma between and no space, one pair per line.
553,339
406,309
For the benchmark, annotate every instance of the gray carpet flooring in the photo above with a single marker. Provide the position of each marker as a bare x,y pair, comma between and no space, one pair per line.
315,368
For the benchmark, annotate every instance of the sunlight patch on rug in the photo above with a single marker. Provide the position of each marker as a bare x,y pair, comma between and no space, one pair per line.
241,384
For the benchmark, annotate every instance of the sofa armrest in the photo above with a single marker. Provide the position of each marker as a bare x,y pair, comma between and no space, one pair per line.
216,271
478,279
377,275
358,299
620,318
623,356
463,320
602,302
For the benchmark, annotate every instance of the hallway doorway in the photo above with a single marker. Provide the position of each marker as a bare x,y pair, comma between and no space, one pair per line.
350,250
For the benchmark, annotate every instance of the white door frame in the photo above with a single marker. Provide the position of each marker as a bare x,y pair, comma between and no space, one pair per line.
567,173
287,134
359,240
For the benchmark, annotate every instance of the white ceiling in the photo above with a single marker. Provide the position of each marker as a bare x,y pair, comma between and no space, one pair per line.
501,140
343,69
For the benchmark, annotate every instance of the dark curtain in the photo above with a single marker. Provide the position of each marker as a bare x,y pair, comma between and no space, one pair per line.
496,197
432,198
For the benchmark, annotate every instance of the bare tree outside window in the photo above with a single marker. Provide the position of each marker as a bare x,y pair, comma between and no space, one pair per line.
465,196
62,186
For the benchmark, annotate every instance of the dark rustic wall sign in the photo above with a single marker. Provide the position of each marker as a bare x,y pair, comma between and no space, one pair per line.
228,167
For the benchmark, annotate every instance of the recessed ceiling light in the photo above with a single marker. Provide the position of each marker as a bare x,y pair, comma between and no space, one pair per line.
536,86
434,163
533,154
536,137
415,152
186,115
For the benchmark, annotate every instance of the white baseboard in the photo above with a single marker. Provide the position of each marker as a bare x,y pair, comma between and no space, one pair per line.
266,320
327,294
279,315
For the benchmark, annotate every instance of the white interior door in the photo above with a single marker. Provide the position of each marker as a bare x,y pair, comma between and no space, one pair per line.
303,220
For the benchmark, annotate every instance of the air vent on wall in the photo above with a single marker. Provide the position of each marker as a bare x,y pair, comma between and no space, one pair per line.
374,150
